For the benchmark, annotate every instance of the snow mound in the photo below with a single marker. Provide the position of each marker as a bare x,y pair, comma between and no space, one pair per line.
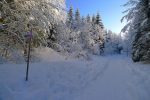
48,55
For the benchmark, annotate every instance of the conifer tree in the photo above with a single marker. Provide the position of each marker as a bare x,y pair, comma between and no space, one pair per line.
138,27
99,21
21,17
141,43
77,15
93,19
88,18
70,17
83,19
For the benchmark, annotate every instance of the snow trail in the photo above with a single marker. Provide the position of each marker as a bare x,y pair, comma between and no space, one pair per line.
112,85
102,78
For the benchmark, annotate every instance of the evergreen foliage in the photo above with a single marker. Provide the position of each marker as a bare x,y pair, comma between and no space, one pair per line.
138,29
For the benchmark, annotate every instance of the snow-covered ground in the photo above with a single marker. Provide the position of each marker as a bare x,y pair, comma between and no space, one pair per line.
101,78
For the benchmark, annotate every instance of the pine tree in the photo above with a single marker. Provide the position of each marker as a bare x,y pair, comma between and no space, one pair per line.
99,21
141,43
83,19
139,29
77,15
131,27
93,19
88,18
21,17
70,18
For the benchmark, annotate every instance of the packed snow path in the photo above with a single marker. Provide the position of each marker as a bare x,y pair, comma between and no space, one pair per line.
111,85
102,78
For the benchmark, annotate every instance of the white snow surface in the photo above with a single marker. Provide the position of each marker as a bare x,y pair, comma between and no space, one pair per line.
101,78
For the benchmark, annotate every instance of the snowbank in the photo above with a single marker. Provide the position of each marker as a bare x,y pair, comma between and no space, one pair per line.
48,55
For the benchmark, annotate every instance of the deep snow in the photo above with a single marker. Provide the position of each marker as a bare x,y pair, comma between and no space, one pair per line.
101,78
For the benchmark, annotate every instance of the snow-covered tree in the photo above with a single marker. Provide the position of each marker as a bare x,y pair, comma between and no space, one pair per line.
99,21
83,20
93,19
77,16
70,18
85,36
77,22
130,28
22,16
88,18
92,38
113,43
138,27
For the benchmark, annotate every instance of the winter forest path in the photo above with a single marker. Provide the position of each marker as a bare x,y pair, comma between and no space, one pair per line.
101,78
114,84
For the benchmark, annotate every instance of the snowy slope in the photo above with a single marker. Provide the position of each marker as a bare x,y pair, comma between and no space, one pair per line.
102,78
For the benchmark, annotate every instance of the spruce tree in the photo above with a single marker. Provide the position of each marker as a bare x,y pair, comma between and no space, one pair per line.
99,21
88,18
77,15
139,29
141,43
70,17
93,19
83,19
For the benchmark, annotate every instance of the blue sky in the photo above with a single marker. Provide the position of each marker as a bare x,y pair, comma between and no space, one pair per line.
110,11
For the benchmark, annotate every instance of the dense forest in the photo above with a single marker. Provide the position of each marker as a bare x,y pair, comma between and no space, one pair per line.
52,26
69,33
